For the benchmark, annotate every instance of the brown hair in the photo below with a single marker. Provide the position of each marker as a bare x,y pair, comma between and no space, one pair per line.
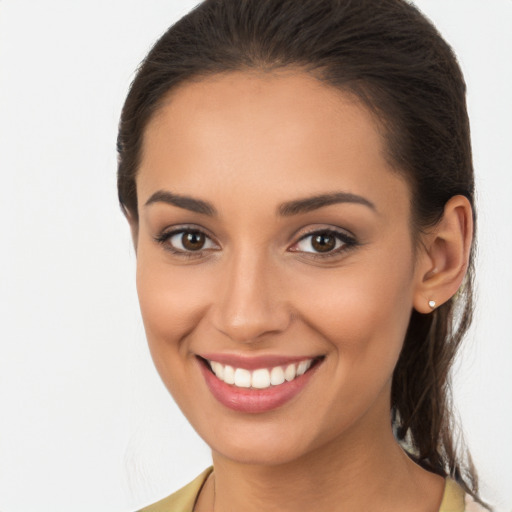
394,60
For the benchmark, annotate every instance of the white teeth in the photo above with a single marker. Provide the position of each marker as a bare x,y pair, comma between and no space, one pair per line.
303,366
290,373
261,378
276,376
218,369
229,375
242,378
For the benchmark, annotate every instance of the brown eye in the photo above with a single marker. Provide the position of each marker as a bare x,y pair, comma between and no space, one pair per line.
193,240
187,241
323,242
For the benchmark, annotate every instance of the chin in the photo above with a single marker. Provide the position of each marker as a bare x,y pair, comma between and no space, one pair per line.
259,454
264,442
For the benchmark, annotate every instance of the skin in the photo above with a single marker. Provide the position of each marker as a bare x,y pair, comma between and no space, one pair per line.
247,143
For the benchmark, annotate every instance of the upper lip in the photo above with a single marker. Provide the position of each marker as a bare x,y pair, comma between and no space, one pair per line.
255,362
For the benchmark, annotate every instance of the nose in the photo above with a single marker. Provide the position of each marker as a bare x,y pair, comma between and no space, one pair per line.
250,302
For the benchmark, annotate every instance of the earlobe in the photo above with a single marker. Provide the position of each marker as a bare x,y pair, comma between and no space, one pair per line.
445,256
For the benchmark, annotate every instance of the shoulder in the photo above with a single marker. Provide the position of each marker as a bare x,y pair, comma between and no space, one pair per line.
182,500
456,500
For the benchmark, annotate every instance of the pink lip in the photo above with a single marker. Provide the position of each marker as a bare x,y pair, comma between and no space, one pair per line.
249,400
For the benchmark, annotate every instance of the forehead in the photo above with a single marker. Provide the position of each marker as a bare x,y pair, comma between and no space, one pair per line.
270,133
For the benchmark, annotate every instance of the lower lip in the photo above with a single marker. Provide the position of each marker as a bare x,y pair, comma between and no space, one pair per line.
251,400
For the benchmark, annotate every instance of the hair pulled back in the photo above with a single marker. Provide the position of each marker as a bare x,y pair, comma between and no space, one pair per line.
392,58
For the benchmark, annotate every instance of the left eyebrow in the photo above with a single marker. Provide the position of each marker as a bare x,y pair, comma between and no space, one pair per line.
309,204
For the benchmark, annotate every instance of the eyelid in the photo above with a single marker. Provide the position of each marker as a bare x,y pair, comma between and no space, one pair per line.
348,240
166,234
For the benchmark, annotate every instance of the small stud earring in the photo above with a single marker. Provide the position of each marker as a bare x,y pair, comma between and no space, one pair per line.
432,303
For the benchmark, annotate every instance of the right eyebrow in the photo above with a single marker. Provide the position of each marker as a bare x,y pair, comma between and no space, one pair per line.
185,202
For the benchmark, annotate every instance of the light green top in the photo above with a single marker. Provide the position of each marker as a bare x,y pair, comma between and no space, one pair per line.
454,499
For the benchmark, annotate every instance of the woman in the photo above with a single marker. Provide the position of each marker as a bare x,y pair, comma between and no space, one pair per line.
297,177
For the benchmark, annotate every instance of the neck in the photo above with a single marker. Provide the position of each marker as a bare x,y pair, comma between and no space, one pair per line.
358,471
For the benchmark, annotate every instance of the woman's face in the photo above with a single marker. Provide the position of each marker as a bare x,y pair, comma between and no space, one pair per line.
273,231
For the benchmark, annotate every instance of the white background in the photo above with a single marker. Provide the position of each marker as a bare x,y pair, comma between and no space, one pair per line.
85,423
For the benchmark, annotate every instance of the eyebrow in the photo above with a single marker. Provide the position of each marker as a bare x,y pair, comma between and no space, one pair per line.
309,204
287,209
185,202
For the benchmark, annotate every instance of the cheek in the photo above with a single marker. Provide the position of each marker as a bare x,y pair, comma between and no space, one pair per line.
171,304
363,310
362,316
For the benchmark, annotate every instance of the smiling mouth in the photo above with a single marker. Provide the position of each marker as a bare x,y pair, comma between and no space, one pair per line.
260,378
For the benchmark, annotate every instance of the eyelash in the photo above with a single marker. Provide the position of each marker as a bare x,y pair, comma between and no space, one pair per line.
348,242
164,237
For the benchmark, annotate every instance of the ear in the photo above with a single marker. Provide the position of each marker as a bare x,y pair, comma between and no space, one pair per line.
444,257
134,227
